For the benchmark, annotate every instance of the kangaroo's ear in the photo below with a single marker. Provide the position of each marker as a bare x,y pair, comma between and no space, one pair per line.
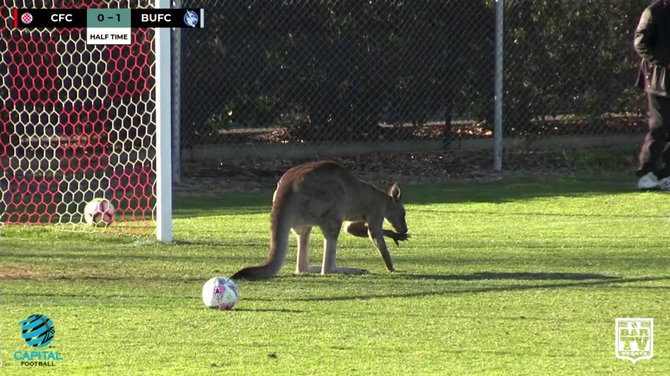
395,193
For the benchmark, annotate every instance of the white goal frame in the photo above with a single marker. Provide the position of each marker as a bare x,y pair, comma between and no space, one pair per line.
164,130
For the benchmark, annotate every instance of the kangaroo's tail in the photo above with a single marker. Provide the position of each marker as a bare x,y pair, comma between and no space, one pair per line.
280,229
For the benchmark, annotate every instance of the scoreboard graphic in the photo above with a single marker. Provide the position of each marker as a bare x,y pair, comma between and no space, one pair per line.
108,26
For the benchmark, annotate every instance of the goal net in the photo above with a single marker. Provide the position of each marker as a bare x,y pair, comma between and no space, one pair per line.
77,122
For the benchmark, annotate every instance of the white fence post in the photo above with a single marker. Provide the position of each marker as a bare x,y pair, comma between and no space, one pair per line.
498,96
176,101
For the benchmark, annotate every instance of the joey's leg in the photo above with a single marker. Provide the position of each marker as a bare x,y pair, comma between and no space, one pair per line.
357,229
361,230
302,263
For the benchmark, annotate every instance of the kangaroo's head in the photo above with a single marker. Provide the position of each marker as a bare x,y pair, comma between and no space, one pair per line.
395,210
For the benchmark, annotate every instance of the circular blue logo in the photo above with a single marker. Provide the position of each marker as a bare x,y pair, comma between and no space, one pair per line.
38,330
191,18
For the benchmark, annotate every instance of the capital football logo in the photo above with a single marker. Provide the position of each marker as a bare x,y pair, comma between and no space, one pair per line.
37,330
634,339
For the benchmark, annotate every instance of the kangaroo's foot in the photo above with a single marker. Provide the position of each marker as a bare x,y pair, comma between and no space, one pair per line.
340,270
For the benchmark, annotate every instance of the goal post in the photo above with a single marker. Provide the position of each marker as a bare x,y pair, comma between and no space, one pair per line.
164,131
80,121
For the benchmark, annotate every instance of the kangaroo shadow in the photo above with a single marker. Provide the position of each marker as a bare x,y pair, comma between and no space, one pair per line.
514,276
279,310
566,280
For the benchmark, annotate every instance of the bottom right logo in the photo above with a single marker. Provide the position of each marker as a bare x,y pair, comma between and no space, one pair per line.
634,339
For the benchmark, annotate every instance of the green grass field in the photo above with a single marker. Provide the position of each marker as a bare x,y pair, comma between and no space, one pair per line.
515,277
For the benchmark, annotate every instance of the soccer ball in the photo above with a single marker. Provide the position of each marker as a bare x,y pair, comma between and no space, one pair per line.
99,212
220,292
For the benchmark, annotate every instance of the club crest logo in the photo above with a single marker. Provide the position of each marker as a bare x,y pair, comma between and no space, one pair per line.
634,339
26,18
37,330
191,18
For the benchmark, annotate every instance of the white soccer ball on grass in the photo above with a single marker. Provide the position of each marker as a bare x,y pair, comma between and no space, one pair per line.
220,292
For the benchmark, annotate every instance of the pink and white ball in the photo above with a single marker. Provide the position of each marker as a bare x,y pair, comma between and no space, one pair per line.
220,292
99,212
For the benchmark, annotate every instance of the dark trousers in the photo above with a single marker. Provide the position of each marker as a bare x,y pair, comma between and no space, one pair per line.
655,152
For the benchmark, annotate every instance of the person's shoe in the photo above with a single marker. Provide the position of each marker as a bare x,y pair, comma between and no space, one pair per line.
664,184
648,182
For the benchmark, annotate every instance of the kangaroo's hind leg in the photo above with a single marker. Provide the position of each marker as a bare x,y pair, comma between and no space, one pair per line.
331,232
302,263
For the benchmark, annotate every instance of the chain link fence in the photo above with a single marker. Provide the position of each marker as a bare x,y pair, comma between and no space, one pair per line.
286,78
570,68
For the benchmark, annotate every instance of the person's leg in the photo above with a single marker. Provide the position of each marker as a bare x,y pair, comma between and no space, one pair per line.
655,140
664,170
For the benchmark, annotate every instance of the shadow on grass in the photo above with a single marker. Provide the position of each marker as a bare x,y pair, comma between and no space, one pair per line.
517,189
206,204
576,281
427,209
518,276
280,310
189,206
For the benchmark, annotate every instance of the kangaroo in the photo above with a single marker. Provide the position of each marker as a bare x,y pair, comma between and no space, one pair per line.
325,194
